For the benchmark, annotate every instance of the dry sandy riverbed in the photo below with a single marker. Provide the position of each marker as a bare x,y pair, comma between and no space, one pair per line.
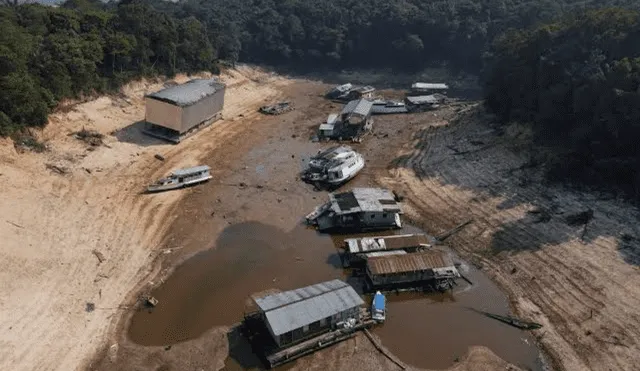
54,222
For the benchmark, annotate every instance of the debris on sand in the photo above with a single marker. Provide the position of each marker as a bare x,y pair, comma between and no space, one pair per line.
90,137
276,109
27,142
512,321
90,307
150,301
451,232
580,218
541,216
99,255
58,169
159,157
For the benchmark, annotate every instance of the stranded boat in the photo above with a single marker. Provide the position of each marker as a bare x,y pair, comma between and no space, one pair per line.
181,178
378,309
333,166
360,209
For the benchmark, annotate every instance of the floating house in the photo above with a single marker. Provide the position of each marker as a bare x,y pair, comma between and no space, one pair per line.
292,324
295,315
360,209
432,269
358,250
339,91
423,88
348,92
356,119
333,166
352,123
424,102
178,111
361,92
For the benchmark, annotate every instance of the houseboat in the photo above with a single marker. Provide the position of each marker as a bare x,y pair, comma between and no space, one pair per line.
291,324
358,250
426,270
360,209
333,166
181,178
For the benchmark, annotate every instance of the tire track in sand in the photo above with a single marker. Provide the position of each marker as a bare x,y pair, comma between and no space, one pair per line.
47,262
572,279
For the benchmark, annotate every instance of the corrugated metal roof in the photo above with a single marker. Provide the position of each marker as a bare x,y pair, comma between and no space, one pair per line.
189,92
405,241
364,199
290,310
191,170
425,85
381,110
420,261
385,253
361,107
423,99
397,242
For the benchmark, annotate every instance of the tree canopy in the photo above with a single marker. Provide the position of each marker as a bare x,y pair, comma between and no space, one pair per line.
576,70
577,82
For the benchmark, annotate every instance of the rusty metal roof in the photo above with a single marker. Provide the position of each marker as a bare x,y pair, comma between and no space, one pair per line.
420,261
395,242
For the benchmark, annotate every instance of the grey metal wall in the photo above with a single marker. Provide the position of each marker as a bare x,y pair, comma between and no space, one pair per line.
203,110
315,328
163,114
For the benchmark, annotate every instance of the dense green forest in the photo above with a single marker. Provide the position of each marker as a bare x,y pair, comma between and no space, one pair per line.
577,83
572,72
86,46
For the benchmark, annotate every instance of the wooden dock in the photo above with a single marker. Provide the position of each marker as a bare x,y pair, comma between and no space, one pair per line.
312,345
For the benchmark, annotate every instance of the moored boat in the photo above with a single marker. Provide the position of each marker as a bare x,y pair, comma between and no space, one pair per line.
334,166
378,307
181,178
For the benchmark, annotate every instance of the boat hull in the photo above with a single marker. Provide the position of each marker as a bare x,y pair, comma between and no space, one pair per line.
177,185
352,173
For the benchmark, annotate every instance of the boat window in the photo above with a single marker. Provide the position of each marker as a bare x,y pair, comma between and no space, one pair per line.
384,215
373,216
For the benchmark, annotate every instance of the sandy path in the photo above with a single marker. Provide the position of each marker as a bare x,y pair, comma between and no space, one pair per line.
52,223
586,292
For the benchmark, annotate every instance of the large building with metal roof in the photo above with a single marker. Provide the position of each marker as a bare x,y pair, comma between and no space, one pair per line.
431,266
359,209
173,112
296,315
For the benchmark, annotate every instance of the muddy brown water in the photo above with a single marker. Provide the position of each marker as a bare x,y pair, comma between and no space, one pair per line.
212,288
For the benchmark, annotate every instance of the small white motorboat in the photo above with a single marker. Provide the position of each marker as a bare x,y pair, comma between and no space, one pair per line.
181,178
334,166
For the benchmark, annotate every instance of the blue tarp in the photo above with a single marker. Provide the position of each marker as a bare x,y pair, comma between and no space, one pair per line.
378,301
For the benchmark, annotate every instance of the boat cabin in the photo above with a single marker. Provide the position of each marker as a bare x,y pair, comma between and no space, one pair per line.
182,178
433,268
360,209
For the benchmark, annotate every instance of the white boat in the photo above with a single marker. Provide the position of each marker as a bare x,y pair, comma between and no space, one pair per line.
378,307
334,166
181,178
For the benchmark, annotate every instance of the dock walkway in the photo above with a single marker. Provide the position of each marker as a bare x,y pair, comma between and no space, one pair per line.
315,344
